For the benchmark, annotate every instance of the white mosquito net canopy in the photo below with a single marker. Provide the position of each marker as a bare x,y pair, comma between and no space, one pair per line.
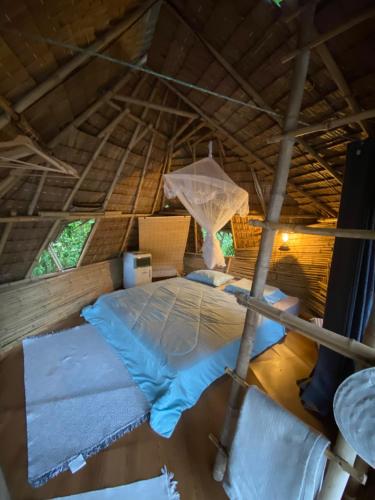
211,197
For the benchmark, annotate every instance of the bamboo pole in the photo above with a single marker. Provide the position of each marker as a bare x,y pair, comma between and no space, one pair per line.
335,480
183,127
250,155
339,79
54,228
135,138
25,142
138,192
44,216
64,71
116,121
136,119
160,181
158,107
85,115
37,193
187,136
325,126
4,236
268,236
252,92
338,343
363,234
324,37
141,180
8,183
19,120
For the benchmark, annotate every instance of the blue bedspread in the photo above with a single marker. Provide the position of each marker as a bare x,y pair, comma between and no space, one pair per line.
175,337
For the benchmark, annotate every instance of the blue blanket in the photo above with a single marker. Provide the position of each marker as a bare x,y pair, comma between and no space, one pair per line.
175,337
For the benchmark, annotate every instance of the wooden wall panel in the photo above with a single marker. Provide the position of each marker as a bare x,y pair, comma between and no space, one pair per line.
33,306
302,270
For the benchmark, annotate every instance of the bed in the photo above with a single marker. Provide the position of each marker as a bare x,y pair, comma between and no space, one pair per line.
176,337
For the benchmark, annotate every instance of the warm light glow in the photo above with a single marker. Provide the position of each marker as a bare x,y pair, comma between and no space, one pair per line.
285,237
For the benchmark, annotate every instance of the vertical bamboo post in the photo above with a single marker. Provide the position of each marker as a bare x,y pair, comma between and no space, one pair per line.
336,478
268,235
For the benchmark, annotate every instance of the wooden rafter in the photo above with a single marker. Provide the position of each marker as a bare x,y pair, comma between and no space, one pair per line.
325,126
365,234
267,240
164,169
8,183
64,71
51,216
19,120
141,180
37,193
136,137
54,164
158,107
339,79
324,37
252,156
5,235
190,134
55,226
251,91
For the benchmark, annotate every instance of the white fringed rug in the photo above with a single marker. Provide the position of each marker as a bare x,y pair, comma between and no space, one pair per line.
79,399
158,488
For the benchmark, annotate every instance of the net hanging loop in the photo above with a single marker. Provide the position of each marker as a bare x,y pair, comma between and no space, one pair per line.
210,149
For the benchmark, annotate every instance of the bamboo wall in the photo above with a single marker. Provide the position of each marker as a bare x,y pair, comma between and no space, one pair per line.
303,270
31,307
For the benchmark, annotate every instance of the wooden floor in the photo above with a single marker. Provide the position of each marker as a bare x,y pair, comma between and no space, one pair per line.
141,454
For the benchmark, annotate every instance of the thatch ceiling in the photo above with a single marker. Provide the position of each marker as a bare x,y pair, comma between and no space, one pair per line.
233,48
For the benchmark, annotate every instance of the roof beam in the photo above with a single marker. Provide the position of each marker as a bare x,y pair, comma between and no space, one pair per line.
158,107
75,62
4,236
44,216
55,226
324,37
339,79
324,126
248,153
251,91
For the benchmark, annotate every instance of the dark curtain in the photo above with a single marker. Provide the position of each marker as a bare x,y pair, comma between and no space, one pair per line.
352,276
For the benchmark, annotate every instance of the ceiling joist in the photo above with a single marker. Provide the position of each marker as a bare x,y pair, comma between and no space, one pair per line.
75,62
248,153
251,91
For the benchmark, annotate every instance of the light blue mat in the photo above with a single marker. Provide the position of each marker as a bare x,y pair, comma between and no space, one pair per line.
158,488
79,399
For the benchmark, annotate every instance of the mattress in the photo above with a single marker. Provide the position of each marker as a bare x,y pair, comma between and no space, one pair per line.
176,337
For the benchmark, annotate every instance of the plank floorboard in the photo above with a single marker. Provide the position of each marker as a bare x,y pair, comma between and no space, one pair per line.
141,454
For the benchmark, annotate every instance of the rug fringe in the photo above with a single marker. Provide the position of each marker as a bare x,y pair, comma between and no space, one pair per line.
173,494
107,441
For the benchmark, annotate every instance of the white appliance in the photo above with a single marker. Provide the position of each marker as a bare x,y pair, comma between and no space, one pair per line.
137,269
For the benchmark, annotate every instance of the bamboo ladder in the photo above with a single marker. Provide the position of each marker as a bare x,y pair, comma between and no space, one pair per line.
342,460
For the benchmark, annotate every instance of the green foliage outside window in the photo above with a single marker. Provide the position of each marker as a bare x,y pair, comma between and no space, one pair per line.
226,242
45,265
67,248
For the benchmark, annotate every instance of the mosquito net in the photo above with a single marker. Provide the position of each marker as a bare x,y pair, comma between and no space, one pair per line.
211,197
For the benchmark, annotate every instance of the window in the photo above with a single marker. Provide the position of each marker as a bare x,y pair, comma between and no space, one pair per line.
225,238
65,251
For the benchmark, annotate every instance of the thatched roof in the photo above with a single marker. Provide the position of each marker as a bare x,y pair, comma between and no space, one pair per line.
233,48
